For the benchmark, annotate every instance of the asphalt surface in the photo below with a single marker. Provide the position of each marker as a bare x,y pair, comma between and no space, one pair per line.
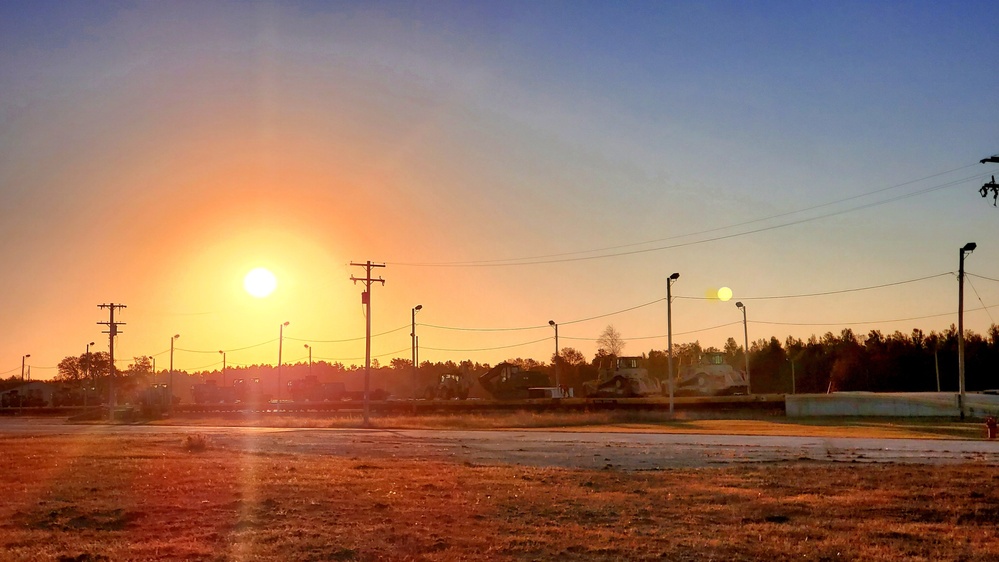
619,451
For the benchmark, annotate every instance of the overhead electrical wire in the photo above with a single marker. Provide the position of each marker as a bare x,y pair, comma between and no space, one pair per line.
341,359
636,307
970,284
577,321
561,257
348,339
686,333
869,321
487,348
824,293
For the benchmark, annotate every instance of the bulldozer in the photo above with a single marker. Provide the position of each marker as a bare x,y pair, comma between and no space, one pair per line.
507,381
622,377
711,376
450,386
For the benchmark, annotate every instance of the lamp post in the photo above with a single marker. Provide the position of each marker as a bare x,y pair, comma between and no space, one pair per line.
280,345
170,389
223,367
86,374
554,325
20,395
966,249
745,332
412,335
309,347
669,335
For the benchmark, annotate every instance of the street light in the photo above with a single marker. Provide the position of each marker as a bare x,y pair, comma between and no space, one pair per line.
966,249
170,390
412,334
745,331
20,395
309,347
86,374
554,325
669,335
223,367
280,345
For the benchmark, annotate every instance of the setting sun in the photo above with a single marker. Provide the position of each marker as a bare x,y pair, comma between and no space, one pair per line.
260,282
724,294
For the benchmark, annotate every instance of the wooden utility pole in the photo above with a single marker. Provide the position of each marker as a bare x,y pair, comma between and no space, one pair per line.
366,301
112,332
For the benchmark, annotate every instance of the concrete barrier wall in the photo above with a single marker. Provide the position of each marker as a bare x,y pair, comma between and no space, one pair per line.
916,404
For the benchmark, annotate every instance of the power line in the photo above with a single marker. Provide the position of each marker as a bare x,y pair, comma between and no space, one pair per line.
857,289
687,333
341,359
613,313
561,258
348,339
869,321
487,348
981,277
981,301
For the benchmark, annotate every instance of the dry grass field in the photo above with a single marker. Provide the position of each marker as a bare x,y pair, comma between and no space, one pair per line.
173,497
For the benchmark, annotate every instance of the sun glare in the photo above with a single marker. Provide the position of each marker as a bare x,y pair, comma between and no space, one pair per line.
260,282
724,294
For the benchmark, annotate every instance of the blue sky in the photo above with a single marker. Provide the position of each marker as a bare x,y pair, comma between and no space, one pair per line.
152,153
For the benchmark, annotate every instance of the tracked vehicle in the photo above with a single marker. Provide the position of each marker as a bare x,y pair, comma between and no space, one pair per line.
624,377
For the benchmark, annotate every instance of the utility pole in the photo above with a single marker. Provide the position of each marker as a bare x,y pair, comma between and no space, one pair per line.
966,249
669,336
412,334
745,332
366,301
112,332
992,185
558,385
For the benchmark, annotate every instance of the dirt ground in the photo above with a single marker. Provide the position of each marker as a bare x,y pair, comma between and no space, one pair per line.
591,449
88,493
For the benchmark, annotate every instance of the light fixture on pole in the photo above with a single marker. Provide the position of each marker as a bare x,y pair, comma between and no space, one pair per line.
669,335
280,345
170,390
745,331
966,249
309,347
554,325
412,335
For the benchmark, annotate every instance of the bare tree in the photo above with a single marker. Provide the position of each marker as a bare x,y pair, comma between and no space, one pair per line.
610,341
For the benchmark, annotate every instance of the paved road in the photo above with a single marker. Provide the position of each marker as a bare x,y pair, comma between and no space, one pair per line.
624,451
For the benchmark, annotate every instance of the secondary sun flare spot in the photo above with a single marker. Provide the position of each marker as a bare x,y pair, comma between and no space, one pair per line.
260,282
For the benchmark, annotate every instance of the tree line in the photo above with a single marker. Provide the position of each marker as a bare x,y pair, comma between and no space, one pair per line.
876,362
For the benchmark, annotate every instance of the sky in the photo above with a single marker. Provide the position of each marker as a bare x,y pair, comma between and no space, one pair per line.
510,163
